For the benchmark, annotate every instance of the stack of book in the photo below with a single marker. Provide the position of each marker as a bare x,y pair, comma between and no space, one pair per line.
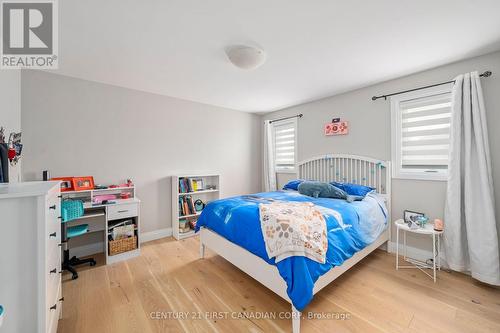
187,185
186,205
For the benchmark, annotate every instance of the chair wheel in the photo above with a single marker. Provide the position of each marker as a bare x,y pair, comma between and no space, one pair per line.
74,277
92,263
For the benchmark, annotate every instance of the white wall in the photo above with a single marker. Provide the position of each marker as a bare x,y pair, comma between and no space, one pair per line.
77,127
370,131
10,110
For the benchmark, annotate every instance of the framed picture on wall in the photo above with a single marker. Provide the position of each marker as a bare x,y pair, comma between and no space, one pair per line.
83,183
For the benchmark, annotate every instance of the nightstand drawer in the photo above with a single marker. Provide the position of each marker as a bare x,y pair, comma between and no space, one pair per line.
122,211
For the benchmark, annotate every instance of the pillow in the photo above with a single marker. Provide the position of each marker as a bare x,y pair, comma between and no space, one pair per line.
353,189
293,184
324,190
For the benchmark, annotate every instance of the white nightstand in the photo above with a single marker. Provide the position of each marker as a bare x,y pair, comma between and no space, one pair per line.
427,230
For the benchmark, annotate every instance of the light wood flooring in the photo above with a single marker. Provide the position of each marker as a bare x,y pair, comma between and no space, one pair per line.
169,278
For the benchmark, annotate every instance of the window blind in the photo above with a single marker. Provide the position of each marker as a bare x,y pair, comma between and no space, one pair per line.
425,133
284,145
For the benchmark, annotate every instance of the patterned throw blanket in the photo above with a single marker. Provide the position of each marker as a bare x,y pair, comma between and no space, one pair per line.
293,229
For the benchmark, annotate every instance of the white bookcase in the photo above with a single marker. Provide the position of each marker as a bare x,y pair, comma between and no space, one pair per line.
209,192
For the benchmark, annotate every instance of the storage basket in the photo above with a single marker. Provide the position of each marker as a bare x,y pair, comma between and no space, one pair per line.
122,245
71,209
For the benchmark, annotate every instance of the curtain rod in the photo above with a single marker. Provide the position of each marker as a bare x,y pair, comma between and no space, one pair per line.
296,116
374,98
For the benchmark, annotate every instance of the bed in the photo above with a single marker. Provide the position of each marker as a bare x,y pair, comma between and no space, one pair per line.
231,228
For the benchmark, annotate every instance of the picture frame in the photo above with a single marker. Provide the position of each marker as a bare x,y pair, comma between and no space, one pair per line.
411,216
83,183
336,128
66,183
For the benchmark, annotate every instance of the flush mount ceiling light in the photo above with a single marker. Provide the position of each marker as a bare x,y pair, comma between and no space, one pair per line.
245,57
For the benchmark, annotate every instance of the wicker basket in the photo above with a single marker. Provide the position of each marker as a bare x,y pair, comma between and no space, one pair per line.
122,245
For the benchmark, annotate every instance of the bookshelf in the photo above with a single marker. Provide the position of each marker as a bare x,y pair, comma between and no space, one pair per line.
186,189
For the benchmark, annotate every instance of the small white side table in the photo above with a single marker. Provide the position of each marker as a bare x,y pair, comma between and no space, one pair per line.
427,230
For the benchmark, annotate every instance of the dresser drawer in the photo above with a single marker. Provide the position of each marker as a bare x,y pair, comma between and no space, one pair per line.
53,205
122,211
52,289
53,260
54,309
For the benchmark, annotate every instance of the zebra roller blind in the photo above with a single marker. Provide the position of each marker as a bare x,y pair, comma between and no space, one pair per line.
423,136
285,143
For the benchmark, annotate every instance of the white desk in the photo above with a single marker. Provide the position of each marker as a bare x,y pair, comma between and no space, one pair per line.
98,217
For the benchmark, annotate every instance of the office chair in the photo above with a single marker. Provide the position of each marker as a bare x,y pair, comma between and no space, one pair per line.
71,210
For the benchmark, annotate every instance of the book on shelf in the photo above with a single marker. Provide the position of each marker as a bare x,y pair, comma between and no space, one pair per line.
190,202
197,184
183,185
187,184
186,205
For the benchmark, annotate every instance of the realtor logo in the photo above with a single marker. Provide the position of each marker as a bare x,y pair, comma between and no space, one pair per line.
29,34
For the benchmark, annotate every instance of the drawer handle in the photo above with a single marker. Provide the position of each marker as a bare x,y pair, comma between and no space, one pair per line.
61,299
54,234
122,211
53,207
54,271
53,307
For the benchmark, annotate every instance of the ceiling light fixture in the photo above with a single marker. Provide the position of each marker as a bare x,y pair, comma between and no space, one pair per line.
246,57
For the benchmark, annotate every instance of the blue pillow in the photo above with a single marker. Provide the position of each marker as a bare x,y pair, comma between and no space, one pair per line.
353,189
293,184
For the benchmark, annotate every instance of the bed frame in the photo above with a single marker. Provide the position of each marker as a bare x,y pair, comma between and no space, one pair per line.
337,167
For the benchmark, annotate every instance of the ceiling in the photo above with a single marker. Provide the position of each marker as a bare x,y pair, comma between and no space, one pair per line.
314,48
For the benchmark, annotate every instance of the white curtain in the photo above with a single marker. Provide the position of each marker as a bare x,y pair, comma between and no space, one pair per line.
269,171
470,237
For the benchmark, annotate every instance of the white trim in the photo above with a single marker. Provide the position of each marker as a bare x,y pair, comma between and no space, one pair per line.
155,234
397,172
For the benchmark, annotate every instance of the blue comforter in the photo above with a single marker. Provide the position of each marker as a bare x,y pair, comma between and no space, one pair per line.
237,219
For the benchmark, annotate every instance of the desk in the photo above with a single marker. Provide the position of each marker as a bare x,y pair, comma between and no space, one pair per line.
101,217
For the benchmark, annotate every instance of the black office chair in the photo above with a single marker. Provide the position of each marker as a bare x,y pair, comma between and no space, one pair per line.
70,210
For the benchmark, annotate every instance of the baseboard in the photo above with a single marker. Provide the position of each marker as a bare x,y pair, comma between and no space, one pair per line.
87,250
155,234
412,252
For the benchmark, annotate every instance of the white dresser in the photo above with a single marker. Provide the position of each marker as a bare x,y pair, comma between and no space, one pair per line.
30,256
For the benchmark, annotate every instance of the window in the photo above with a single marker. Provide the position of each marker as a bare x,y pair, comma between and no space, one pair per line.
285,145
421,133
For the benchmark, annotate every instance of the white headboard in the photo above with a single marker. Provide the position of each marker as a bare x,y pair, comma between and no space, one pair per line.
348,168
353,169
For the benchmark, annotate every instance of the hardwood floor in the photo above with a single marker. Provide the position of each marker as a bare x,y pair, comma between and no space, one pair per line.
168,279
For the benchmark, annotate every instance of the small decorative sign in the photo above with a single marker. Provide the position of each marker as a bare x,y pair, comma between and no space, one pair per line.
337,127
